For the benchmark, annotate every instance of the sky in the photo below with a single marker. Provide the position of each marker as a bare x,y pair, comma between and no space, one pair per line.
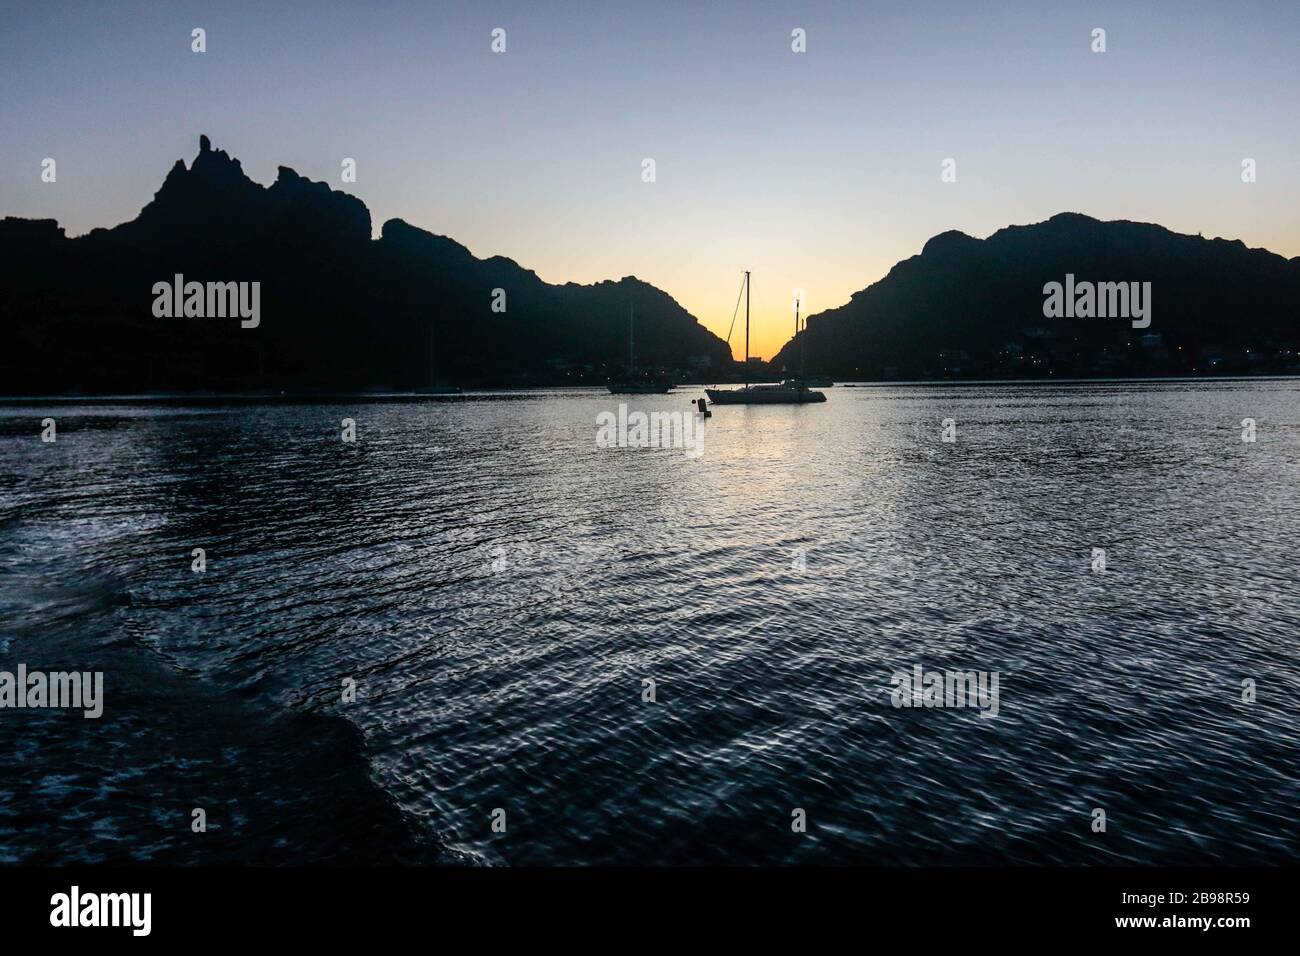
816,170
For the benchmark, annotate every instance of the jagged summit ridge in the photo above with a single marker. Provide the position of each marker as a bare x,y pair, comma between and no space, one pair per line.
339,309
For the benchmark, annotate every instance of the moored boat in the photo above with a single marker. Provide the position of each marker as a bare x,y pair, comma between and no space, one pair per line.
790,392
641,388
635,384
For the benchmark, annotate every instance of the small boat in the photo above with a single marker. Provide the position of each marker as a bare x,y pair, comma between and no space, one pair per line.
640,388
790,392
637,384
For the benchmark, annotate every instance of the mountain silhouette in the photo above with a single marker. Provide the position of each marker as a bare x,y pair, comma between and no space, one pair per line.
972,308
339,310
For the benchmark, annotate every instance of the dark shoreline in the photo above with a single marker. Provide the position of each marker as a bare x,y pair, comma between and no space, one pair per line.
279,786
471,394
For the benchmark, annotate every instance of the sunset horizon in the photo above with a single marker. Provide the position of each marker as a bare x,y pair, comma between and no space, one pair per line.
815,190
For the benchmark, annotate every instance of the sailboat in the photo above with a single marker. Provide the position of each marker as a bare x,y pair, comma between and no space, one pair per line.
812,381
632,385
790,392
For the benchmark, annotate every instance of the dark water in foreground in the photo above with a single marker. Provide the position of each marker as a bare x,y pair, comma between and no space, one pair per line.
499,587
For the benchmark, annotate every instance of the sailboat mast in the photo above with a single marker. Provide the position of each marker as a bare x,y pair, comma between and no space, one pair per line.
796,334
747,325
804,345
631,332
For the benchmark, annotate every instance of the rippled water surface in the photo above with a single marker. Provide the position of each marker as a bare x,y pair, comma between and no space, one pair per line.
500,588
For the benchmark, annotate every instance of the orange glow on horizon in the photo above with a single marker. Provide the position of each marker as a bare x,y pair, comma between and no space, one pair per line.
771,309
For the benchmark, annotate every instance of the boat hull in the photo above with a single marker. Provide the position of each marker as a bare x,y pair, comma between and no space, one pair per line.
763,396
640,389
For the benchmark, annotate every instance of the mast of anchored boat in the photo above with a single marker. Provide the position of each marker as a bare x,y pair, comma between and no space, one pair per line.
804,345
796,316
796,335
746,326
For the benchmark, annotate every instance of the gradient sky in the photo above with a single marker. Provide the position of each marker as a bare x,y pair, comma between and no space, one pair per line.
817,170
